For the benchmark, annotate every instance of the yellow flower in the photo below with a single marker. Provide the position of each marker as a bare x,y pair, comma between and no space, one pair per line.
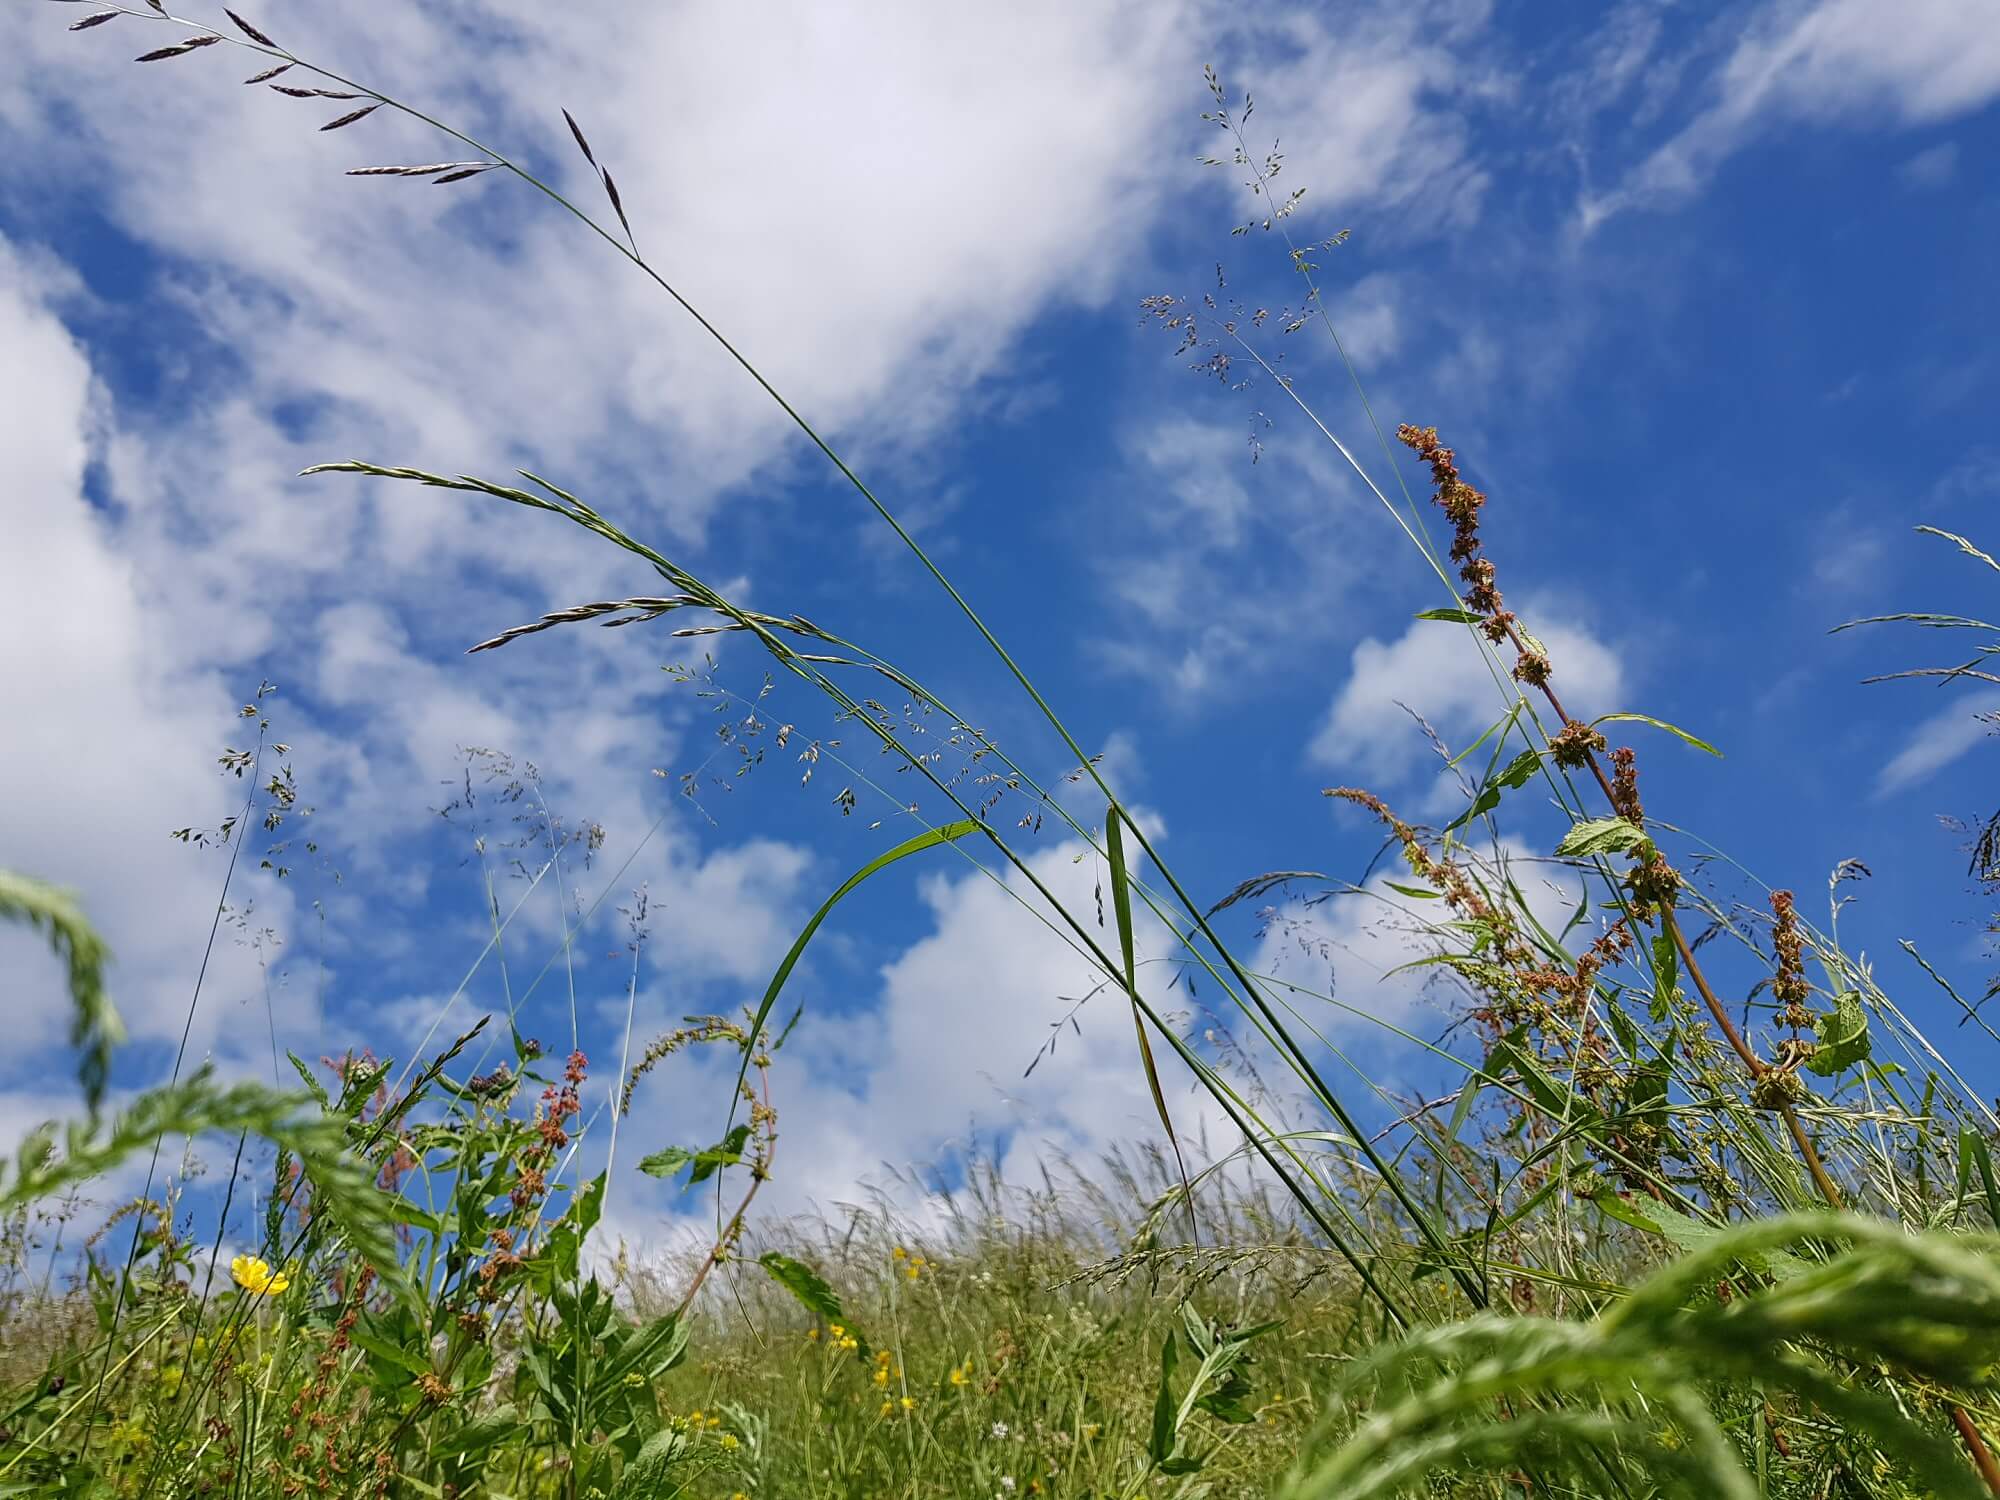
1090,1430
256,1277
888,1408
909,1403
958,1376
812,1335
882,1375
729,1443
899,1253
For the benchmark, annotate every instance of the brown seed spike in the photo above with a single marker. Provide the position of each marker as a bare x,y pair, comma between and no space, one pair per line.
248,30
577,131
463,173
292,93
97,20
352,115
269,73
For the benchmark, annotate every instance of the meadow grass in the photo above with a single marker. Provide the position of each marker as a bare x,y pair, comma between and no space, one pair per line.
1641,1248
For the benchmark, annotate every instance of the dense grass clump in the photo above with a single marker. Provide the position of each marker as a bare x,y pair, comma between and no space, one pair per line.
1702,1213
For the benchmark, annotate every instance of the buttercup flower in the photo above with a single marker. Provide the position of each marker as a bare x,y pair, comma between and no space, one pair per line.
256,1277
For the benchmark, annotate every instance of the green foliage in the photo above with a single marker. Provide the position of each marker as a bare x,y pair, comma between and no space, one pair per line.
1636,1398
95,1029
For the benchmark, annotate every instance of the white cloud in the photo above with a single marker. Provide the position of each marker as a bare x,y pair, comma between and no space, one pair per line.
111,735
1939,740
937,1056
1436,671
1933,167
1836,60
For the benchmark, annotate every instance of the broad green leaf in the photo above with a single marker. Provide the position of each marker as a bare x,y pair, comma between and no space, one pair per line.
812,1292
1843,1036
1600,836
725,1153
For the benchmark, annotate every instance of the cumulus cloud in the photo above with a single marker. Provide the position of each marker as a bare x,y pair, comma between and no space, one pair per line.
1434,670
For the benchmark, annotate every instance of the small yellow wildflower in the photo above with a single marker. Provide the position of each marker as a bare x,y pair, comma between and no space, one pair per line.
812,1335
899,1253
888,1408
882,1375
909,1403
256,1277
729,1443
714,1422
1090,1430
958,1375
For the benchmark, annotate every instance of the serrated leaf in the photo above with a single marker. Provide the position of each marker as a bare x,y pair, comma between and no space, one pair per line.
810,1289
1843,1036
1600,836
727,1152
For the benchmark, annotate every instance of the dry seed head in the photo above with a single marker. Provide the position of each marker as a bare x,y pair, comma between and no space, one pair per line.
1625,786
1573,745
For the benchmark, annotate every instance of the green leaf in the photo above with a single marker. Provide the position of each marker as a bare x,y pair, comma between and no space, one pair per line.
1843,1036
1450,616
1414,892
812,1292
1674,730
947,834
1488,799
1121,906
1162,1445
1973,1152
727,1152
1666,977
95,1028
1600,836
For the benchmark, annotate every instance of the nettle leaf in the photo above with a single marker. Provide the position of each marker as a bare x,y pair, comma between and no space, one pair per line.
727,1152
1601,836
812,1292
1843,1035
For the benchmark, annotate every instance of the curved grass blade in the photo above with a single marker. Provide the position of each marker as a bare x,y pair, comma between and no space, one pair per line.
948,833
1121,906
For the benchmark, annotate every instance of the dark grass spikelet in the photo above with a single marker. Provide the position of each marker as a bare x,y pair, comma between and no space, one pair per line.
192,44
248,30
352,115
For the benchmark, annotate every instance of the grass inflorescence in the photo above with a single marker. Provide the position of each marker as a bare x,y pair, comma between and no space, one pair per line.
1641,1247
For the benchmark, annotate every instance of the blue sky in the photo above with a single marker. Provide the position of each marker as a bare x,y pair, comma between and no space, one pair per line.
1701,294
